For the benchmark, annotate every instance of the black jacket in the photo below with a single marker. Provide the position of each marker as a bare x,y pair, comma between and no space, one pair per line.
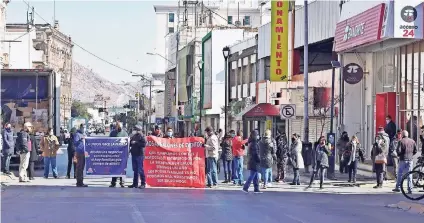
137,148
22,142
71,144
253,162
227,153
34,148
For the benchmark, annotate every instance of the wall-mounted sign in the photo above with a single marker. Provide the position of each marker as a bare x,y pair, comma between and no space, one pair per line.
408,19
279,70
354,31
352,73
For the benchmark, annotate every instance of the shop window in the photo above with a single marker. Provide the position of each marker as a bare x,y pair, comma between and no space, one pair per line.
171,17
230,20
246,21
171,30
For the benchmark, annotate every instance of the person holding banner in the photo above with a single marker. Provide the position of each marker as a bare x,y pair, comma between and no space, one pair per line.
212,147
138,144
79,159
118,132
169,133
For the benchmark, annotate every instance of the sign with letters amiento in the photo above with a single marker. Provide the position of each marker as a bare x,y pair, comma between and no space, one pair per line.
279,40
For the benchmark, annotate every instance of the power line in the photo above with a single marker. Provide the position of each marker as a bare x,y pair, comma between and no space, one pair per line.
82,48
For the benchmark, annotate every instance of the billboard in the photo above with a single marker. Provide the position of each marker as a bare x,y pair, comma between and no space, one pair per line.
207,71
279,40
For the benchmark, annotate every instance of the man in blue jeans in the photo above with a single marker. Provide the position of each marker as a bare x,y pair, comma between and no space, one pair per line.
253,163
238,153
406,149
137,145
212,147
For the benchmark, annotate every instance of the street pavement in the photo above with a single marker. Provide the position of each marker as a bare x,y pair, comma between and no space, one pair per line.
58,200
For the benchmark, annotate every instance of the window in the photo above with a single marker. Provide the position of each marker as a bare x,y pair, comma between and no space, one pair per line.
171,30
171,17
246,21
230,20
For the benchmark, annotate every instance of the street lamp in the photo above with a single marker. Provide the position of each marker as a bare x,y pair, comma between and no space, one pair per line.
156,54
200,66
226,54
331,136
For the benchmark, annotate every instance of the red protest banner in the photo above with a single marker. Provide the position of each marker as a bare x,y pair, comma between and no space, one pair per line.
178,162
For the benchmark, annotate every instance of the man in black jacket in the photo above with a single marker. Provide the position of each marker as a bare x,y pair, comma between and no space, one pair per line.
406,149
137,144
23,146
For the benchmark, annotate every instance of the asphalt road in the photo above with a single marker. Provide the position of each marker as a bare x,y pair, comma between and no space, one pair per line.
44,204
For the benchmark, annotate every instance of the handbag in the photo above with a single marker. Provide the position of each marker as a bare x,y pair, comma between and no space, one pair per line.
380,159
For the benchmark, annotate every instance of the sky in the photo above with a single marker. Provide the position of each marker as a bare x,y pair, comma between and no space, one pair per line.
120,32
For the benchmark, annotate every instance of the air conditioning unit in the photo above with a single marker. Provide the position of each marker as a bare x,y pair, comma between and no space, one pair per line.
237,23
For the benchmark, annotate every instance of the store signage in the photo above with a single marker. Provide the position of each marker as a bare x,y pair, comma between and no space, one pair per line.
279,40
364,28
352,73
351,32
408,19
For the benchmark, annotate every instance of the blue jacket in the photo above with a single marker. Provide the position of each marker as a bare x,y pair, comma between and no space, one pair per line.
79,142
8,142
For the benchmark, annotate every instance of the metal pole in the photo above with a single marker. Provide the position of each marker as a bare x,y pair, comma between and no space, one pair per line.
226,96
305,79
333,77
201,100
150,105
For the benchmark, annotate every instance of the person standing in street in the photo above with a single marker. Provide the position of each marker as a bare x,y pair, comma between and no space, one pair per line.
33,154
253,163
295,158
118,132
379,159
8,147
169,133
406,150
137,146
227,157
354,153
393,152
238,154
267,154
341,148
212,147
320,161
23,144
79,159
282,155
49,146
71,153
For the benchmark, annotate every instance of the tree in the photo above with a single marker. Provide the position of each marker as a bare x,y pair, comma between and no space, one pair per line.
79,109
322,105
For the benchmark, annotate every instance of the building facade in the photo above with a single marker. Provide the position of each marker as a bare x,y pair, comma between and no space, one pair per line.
3,5
380,46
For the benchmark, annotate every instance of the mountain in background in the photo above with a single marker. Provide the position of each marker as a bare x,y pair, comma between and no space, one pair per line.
86,84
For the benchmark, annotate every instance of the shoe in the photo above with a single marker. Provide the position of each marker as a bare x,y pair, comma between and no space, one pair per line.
258,192
225,181
245,191
208,186
68,177
321,187
142,186
122,185
376,186
112,185
292,184
132,186
31,178
46,177
396,190
82,185
8,173
75,177
264,187
349,181
55,177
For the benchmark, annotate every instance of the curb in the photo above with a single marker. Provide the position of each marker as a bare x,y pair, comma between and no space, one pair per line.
411,207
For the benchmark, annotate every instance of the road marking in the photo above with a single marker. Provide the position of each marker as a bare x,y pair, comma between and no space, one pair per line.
136,214
294,218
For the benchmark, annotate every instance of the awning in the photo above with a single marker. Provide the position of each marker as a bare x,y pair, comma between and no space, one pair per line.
239,116
263,109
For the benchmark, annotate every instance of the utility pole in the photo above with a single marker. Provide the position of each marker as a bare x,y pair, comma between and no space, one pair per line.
306,84
176,66
30,23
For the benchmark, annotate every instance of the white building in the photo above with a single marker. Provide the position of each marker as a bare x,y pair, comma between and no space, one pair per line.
3,5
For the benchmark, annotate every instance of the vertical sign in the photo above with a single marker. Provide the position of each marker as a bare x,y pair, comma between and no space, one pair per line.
408,19
279,40
169,96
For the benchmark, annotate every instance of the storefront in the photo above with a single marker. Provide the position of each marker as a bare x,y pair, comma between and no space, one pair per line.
380,49
262,117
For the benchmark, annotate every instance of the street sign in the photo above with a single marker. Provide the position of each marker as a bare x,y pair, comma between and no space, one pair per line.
288,111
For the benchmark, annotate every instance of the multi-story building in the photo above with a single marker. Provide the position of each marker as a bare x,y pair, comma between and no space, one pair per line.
43,46
3,5
183,28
